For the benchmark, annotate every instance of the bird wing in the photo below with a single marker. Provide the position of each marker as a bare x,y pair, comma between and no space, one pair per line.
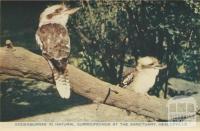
54,42
128,78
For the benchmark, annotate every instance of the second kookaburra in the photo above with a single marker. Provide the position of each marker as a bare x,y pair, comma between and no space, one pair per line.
143,77
53,38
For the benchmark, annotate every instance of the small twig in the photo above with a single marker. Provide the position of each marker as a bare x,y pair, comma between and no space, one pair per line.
108,94
190,38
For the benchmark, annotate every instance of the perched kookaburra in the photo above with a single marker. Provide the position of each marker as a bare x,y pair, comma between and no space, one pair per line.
143,77
53,38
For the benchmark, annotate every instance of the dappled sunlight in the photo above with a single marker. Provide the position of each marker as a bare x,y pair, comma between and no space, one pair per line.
26,97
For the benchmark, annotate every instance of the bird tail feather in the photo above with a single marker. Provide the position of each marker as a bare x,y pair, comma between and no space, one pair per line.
60,74
63,86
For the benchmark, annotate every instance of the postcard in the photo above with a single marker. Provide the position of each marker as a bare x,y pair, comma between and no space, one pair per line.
100,64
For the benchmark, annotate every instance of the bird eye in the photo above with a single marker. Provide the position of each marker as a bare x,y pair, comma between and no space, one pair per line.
151,64
49,16
58,10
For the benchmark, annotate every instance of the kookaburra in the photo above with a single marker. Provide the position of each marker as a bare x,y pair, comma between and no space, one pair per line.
53,38
143,77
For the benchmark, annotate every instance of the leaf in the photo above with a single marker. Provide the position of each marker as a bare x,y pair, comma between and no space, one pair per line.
161,26
171,31
185,44
181,69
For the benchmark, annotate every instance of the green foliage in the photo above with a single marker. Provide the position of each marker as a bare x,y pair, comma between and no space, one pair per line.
108,36
114,34
194,4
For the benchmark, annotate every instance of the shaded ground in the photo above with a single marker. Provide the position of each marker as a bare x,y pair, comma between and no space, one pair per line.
25,97
88,112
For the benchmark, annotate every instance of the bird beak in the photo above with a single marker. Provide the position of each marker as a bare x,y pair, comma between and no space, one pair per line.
160,66
71,11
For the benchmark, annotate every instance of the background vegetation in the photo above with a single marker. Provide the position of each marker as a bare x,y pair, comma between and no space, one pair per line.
109,36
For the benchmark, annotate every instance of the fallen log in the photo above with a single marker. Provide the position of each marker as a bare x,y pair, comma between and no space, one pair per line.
18,61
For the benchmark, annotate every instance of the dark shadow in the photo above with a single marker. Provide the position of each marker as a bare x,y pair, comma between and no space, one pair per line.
158,86
20,98
173,93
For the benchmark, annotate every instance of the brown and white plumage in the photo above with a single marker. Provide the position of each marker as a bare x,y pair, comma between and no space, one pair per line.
143,77
53,38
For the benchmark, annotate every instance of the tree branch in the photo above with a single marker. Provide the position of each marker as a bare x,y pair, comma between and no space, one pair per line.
18,61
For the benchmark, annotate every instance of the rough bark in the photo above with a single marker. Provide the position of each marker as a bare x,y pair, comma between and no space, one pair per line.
18,61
